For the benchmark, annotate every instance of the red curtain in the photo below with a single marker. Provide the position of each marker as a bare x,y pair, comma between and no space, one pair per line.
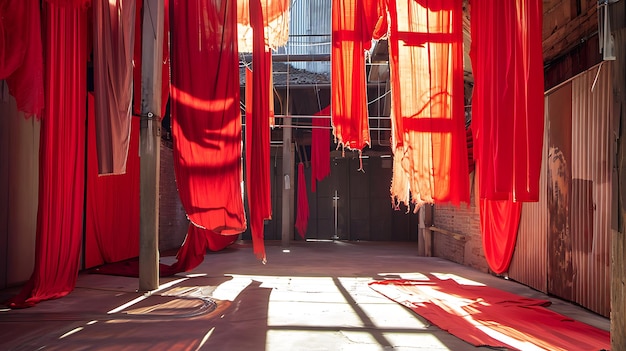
62,157
113,81
320,147
258,132
206,122
21,57
353,24
275,23
302,212
429,142
112,209
507,117
507,108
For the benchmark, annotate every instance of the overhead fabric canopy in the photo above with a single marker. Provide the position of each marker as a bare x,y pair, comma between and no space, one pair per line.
428,122
21,57
353,26
114,32
275,24
61,156
507,118
206,122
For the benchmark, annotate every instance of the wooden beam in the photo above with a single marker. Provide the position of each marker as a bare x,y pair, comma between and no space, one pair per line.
288,181
150,143
459,237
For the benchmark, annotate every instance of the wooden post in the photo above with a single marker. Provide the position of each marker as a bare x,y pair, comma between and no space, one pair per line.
288,181
150,143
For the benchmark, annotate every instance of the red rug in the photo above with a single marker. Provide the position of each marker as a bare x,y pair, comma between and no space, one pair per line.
484,316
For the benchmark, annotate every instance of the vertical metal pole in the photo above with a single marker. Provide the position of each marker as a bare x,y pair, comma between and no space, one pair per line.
149,144
336,207
288,175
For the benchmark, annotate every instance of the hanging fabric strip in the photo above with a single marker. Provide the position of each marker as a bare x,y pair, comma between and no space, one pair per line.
507,117
499,220
111,197
429,142
21,57
302,212
61,157
113,81
258,133
206,121
353,24
275,24
320,147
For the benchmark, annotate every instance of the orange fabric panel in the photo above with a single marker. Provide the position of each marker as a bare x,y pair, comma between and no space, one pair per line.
429,142
353,25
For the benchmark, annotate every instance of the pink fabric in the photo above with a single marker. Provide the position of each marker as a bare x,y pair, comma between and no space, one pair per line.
113,81
302,212
61,157
258,132
428,121
21,56
320,147
206,121
353,25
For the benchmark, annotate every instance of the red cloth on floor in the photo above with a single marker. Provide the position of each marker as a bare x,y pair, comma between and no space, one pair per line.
112,208
206,122
482,315
258,132
320,147
21,55
61,157
428,121
113,81
302,212
353,24
507,106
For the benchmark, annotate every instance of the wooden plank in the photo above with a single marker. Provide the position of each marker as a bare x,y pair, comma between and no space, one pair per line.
560,36
459,237
149,143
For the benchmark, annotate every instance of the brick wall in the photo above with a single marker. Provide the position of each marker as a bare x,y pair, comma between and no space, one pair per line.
463,220
173,220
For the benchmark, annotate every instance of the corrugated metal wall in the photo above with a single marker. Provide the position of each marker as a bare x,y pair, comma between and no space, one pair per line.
529,262
588,235
591,189
309,33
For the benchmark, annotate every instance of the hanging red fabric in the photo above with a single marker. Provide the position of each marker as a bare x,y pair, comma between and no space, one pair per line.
507,118
353,25
302,212
112,208
206,122
61,157
507,111
258,132
429,142
21,57
113,81
275,24
320,147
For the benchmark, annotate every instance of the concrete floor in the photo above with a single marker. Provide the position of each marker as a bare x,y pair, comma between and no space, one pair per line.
314,297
